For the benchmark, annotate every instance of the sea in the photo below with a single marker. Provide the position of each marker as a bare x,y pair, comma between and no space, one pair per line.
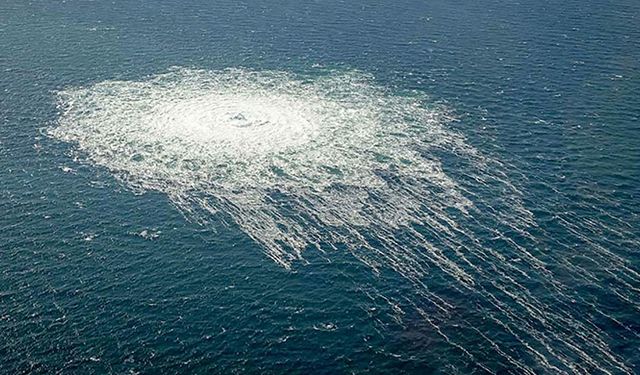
319,187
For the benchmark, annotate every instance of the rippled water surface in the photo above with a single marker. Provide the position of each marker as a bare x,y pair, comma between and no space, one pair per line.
319,187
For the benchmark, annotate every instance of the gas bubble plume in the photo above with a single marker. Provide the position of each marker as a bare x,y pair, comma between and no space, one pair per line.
335,162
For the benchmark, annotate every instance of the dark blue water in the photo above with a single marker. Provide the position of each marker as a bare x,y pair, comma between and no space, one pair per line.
99,277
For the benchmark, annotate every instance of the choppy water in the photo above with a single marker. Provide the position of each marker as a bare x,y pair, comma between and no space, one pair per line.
325,187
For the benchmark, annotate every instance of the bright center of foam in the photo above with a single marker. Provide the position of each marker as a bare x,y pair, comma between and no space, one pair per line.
236,124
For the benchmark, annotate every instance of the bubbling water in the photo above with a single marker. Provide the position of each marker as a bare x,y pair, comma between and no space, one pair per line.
334,161
229,141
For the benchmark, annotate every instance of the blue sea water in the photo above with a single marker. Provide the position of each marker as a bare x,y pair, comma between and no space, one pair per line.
495,230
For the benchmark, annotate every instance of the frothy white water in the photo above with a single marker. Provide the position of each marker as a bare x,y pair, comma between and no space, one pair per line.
343,152
314,163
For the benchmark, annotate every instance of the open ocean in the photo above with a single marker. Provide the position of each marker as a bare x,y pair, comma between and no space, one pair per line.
319,187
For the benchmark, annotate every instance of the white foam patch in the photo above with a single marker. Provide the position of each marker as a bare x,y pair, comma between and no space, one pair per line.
344,152
311,163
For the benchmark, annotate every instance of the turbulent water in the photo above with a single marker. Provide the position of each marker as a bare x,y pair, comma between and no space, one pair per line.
295,162
334,162
319,187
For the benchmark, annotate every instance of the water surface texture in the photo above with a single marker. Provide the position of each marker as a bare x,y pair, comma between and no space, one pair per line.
319,187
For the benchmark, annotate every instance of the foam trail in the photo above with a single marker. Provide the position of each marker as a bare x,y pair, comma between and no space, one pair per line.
318,162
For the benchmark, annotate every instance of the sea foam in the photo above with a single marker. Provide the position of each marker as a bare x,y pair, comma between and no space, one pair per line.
335,161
